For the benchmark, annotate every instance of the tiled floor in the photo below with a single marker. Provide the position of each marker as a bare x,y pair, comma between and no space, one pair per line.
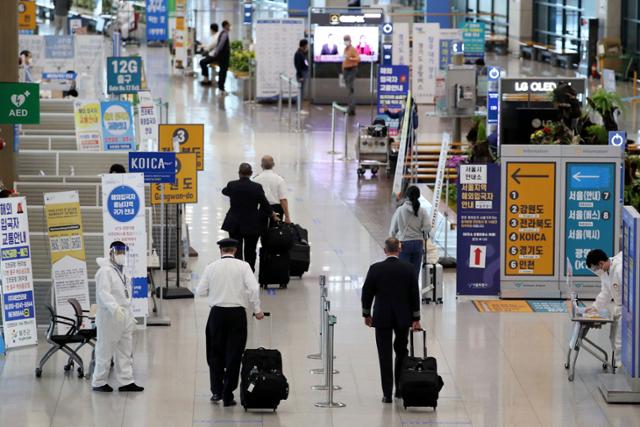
498,369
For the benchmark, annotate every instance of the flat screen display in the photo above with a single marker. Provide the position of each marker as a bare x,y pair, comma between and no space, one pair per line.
328,44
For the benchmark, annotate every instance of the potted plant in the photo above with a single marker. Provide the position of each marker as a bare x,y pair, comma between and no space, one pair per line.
606,104
240,63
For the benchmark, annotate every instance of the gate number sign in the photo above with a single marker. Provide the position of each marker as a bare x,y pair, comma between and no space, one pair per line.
124,74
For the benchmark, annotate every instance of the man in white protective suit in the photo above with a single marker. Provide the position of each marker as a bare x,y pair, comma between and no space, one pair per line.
609,270
114,321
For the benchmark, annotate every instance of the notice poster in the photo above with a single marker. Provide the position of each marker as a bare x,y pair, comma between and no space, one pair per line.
530,222
157,21
400,50
276,44
16,274
88,125
66,246
117,126
183,139
89,64
147,122
180,40
590,209
478,237
426,42
393,86
124,220
185,189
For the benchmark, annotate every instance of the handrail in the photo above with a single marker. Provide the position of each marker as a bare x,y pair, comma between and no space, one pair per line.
290,83
345,111
405,140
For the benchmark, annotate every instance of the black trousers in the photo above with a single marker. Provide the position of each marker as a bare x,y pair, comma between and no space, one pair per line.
226,339
246,248
266,221
222,75
204,65
385,354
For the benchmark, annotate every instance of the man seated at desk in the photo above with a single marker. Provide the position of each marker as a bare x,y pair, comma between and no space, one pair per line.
609,270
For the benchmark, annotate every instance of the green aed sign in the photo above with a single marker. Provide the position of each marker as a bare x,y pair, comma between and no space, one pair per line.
19,103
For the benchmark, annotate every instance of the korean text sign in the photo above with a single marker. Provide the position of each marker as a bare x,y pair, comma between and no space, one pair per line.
124,74
630,304
473,39
185,189
117,126
123,218
157,21
478,245
18,306
157,167
393,86
183,139
88,125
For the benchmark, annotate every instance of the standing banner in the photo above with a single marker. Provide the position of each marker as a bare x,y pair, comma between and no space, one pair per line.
117,126
124,219
183,139
147,122
27,17
478,237
59,53
276,43
426,42
68,257
88,126
185,188
393,86
473,39
18,308
180,34
630,321
448,43
401,53
89,64
157,21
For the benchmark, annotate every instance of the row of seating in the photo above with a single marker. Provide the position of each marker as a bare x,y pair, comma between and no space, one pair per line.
554,55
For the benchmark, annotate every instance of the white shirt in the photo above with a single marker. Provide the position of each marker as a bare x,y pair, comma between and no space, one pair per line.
229,282
273,186
213,42
611,283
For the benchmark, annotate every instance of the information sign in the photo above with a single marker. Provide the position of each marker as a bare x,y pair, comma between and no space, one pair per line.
183,139
393,86
159,167
630,304
473,39
19,103
589,212
157,21
88,125
26,16
185,189
117,125
124,74
530,220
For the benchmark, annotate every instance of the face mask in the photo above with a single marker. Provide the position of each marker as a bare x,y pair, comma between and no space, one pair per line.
347,43
119,259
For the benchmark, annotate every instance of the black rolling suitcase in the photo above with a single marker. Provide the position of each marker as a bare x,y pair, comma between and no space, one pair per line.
420,383
274,268
262,383
300,253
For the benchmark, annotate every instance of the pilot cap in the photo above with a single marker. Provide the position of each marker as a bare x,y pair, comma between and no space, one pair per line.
227,243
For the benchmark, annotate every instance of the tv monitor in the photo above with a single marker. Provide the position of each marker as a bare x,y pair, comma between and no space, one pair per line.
519,123
328,44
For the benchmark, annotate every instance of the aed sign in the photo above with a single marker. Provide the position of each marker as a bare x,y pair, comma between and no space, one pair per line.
535,86
183,139
157,167
185,188
19,103
124,74
530,220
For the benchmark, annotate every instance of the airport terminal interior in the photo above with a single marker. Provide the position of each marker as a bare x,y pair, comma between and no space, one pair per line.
483,104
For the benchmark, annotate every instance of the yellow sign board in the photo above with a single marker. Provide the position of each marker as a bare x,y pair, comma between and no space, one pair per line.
530,223
502,306
64,226
185,190
183,139
26,15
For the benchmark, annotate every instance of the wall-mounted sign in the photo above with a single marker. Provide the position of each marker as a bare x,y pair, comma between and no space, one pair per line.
19,103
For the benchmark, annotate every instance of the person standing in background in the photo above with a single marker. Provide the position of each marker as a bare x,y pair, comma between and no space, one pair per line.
302,68
207,53
60,16
222,55
350,71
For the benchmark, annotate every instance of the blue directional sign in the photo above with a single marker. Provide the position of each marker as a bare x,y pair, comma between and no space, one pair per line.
247,17
124,74
387,54
157,167
493,97
618,138
590,212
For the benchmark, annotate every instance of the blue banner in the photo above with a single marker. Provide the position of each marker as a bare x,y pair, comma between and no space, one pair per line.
157,167
478,237
298,8
124,74
629,335
589,213
393,87
387,54
438,12
473,39
117,125
18,306
157,21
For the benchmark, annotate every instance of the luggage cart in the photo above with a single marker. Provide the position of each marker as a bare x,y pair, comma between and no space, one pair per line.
372,152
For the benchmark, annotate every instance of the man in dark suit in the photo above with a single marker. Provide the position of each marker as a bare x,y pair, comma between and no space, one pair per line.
222,55
244,218
394,286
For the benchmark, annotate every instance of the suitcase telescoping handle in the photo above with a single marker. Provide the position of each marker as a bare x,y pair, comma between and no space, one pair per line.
266,314
254,333
424,342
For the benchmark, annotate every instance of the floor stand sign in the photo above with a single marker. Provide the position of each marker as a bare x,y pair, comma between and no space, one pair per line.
183,139
624,387
558,203
16,275
66,246
148,120
400,44
426,45
117,126
88,125
478,237
123,201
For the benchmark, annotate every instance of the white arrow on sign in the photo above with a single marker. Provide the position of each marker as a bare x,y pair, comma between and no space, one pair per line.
579,177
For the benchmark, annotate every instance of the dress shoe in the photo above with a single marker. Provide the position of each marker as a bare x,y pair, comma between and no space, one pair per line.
398,394
131,387
216,398
386,399
105,388
228,403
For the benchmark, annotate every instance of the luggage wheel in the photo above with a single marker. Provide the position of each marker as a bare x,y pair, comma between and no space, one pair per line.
360,171
283,286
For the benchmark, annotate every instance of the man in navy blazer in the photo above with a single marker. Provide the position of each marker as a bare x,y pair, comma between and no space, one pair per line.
394,287
243,221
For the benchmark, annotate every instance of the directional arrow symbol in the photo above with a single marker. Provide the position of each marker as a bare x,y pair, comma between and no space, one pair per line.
579,177
516,175
477,254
